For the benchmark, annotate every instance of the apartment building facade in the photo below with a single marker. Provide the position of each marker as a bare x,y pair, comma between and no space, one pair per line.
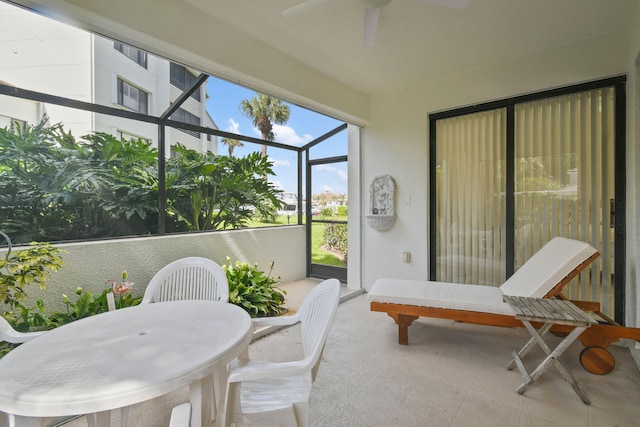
39,54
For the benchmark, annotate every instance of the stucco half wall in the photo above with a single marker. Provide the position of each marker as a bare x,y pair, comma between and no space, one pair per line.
90,264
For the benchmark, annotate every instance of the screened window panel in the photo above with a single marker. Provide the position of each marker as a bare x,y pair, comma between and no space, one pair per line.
470,202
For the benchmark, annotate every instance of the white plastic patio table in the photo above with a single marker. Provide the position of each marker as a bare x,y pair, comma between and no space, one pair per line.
121,358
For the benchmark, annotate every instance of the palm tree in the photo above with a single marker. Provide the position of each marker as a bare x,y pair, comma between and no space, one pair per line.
265,111
231,144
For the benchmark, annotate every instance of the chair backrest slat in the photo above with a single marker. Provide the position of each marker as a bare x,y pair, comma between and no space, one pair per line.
316,316
193,278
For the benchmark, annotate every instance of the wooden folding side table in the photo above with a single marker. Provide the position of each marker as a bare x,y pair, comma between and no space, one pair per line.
549,312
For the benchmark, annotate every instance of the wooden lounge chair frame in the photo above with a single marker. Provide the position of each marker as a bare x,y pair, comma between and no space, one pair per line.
595,358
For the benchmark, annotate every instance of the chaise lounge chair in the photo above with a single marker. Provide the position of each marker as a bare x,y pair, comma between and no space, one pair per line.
542,276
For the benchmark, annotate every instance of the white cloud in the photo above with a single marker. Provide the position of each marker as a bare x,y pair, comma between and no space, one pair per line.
326,168
287,135
284,162
233,126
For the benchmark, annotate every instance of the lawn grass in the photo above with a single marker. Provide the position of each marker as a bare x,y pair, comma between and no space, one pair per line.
318,255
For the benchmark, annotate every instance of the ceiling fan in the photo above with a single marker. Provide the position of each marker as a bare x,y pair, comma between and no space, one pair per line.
371,12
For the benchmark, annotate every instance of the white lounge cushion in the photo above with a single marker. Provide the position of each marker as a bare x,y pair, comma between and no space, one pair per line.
544,270
484,299
547,267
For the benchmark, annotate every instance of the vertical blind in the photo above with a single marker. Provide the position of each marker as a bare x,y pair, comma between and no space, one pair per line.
470,203
564,181
563,163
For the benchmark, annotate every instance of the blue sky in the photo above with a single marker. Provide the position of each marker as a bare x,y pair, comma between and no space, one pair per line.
303,126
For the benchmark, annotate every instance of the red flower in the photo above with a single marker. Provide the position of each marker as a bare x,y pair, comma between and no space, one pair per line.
122,287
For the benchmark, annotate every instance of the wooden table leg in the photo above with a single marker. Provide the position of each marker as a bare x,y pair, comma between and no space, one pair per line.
529,345
551,359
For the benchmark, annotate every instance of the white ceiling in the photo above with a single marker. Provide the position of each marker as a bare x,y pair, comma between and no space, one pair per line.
418,41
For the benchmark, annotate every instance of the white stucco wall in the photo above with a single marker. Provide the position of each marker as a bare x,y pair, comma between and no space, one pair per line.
90,265
396,140
356,205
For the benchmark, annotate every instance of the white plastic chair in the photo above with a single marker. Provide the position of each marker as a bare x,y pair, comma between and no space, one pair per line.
8,334
188,278
181,415
269,393
191,278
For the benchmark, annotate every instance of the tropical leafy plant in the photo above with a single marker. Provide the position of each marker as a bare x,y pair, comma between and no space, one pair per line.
6,347
88,304
253,290
30,266
264,111
55,187
18,270
231,144
209,192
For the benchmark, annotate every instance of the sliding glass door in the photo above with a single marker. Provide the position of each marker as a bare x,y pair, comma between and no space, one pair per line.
469,198
565,182
507,177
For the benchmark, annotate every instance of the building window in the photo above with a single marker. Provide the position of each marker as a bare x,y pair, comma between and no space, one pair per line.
129,136
173,154
18,124
183,79
133,98
136,55
182,115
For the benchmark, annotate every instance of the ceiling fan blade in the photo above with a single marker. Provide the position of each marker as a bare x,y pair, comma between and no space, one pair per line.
302,7
370,25
457,4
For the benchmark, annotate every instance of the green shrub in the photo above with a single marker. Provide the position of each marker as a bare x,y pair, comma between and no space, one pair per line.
268,213
326,212
89,304
336,238
32,265
253,290
343,210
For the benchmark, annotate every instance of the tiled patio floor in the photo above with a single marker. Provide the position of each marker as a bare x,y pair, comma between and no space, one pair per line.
451,374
